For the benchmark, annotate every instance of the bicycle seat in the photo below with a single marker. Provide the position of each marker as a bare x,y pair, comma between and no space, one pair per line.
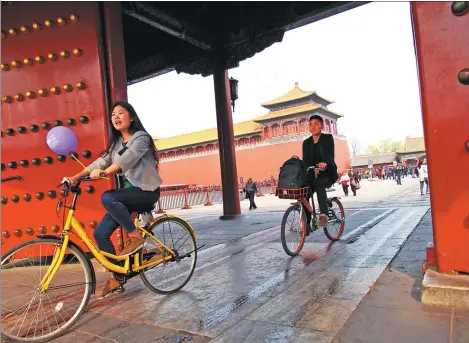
146,210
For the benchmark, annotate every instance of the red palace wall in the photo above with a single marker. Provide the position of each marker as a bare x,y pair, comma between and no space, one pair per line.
260,163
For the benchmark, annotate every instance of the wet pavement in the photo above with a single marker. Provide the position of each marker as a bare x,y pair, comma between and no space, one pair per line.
373,202
246,289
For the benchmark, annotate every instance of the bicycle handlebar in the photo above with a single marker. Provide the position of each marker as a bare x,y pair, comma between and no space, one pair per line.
315,168
66,182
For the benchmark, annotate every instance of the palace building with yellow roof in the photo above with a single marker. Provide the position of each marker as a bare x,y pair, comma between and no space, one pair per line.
262,144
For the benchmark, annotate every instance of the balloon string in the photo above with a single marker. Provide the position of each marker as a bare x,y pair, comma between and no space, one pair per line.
89,171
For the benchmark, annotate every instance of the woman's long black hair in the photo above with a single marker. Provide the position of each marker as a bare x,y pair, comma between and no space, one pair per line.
135,125
420,162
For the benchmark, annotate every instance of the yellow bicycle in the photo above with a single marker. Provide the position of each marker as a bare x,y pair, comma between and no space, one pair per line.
47,282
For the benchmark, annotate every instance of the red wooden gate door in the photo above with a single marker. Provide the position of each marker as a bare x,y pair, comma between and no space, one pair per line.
54,72
441,35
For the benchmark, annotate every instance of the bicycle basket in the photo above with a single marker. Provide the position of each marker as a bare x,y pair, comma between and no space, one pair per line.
292,193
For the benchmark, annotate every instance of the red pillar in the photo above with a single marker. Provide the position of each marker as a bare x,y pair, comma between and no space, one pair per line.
442,55
229,175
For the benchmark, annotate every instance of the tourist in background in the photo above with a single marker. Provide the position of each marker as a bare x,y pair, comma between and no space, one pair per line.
416,169
398,172
388,173
423,175
250,190
354,182
344,180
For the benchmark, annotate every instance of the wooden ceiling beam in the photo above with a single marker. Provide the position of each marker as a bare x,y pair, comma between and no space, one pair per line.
173,26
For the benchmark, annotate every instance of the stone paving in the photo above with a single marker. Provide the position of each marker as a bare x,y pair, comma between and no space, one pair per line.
376,193
246,289
392,310
372,199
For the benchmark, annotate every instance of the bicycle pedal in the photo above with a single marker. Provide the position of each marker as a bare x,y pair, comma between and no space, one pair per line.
121,278
119,290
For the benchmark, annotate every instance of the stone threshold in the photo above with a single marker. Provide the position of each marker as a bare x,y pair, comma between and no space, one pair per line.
447,290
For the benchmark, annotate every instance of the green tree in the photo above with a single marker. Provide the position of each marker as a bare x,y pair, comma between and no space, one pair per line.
397,146
372,150
384,146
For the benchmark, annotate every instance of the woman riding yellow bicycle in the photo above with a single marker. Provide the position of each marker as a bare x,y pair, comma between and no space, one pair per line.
132,155
47,282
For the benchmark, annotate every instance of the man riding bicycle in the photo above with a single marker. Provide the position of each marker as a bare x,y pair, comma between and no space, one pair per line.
318,151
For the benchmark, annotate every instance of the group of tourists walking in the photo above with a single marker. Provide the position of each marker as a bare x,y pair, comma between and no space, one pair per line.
350,179
395,172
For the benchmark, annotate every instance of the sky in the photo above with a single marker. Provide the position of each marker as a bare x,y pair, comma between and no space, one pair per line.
362,59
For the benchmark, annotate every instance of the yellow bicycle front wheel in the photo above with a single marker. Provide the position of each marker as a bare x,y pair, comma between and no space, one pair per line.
172,275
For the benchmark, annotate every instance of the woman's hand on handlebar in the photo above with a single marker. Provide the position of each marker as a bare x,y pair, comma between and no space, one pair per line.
97,174
71,179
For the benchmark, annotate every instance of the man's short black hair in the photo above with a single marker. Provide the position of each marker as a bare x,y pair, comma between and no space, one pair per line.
316,117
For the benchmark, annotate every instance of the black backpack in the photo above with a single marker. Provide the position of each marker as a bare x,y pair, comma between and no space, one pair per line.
292,174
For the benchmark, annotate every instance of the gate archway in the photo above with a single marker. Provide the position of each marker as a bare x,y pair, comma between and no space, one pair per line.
68,62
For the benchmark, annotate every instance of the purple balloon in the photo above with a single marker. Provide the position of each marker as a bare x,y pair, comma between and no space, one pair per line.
62,140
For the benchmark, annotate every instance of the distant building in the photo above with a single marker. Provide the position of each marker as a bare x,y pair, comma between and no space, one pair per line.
262,144
377,160
413,147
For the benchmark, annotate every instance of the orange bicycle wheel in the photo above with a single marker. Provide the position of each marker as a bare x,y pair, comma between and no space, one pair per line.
336,224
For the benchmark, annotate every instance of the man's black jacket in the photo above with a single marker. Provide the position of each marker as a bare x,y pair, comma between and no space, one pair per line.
325,145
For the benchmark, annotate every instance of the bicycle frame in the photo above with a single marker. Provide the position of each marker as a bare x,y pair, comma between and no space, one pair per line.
308,206
73,224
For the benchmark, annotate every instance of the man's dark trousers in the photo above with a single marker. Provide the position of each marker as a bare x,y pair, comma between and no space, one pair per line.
319,186
252,204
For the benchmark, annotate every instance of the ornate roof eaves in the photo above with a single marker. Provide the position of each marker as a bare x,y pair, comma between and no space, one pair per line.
327,111
261,121
269,104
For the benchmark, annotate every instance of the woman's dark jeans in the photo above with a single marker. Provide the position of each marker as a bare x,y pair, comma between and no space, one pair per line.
119,204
